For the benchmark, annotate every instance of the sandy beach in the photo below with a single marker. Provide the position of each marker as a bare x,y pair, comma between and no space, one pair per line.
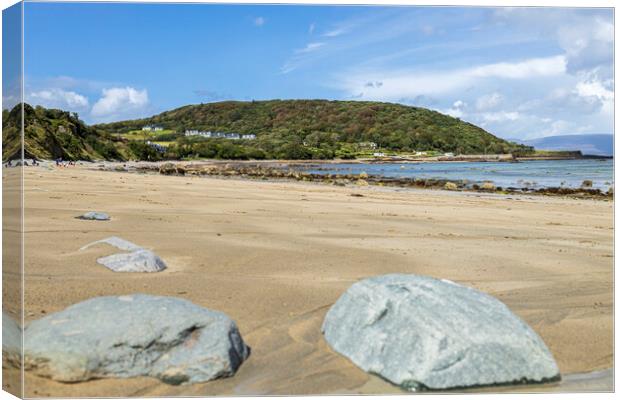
275,256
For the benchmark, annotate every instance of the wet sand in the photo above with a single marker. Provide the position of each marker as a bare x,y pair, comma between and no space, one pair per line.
276,255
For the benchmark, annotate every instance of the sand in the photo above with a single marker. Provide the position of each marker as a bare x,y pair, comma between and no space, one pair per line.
276,255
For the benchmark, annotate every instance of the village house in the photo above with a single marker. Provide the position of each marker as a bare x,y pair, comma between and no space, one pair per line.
158,147
219,135
367,145
152,128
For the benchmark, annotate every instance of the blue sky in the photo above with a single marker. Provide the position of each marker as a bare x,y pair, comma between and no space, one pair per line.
519,72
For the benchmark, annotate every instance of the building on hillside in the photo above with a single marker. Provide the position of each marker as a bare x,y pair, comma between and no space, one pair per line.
158,147
219,135
367,145
152,128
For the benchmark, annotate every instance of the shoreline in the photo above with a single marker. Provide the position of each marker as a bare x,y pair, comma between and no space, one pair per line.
285,171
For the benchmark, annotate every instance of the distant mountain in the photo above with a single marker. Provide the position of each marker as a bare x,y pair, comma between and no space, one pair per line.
50,134
598,144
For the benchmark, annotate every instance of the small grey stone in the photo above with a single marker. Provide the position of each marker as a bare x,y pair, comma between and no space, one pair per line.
167,338
95,215
138,261
423,333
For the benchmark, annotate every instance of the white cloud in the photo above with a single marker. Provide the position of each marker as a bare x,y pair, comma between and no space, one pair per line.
120,101
311,28
559,127
310,47
593,88
489,101
521,70
587,45
259,21
586,35
500,116
335,32
457,110
401,84
58,98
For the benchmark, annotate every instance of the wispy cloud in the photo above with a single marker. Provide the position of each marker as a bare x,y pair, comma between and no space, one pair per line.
336,32
310,47
311,28
301,56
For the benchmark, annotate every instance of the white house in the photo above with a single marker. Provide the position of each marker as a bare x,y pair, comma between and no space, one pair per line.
152,128
368,145
219,135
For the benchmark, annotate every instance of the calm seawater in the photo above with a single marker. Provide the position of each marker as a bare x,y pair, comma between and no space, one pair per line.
524,174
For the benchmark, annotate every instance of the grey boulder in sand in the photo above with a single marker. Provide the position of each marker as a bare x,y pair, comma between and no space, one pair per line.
95,215
422,333
167,338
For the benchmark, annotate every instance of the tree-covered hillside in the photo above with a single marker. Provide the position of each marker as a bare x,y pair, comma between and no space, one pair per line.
50,134
285,127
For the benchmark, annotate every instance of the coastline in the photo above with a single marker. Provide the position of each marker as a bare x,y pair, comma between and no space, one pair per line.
297,246
294,171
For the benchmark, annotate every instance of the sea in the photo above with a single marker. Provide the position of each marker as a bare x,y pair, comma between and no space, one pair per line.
523,174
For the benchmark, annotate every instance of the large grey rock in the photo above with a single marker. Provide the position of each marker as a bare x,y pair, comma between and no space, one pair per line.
138,261
136,335
95,215
423,333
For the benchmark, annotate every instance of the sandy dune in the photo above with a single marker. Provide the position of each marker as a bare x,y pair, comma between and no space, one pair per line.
275,256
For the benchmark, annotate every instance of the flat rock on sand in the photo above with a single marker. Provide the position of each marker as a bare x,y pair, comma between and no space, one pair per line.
136,335
95,215
423,333
138,260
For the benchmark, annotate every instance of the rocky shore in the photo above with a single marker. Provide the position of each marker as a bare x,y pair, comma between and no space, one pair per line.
287,171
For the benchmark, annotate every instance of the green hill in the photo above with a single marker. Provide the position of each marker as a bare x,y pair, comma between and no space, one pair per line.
50,134
320,124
